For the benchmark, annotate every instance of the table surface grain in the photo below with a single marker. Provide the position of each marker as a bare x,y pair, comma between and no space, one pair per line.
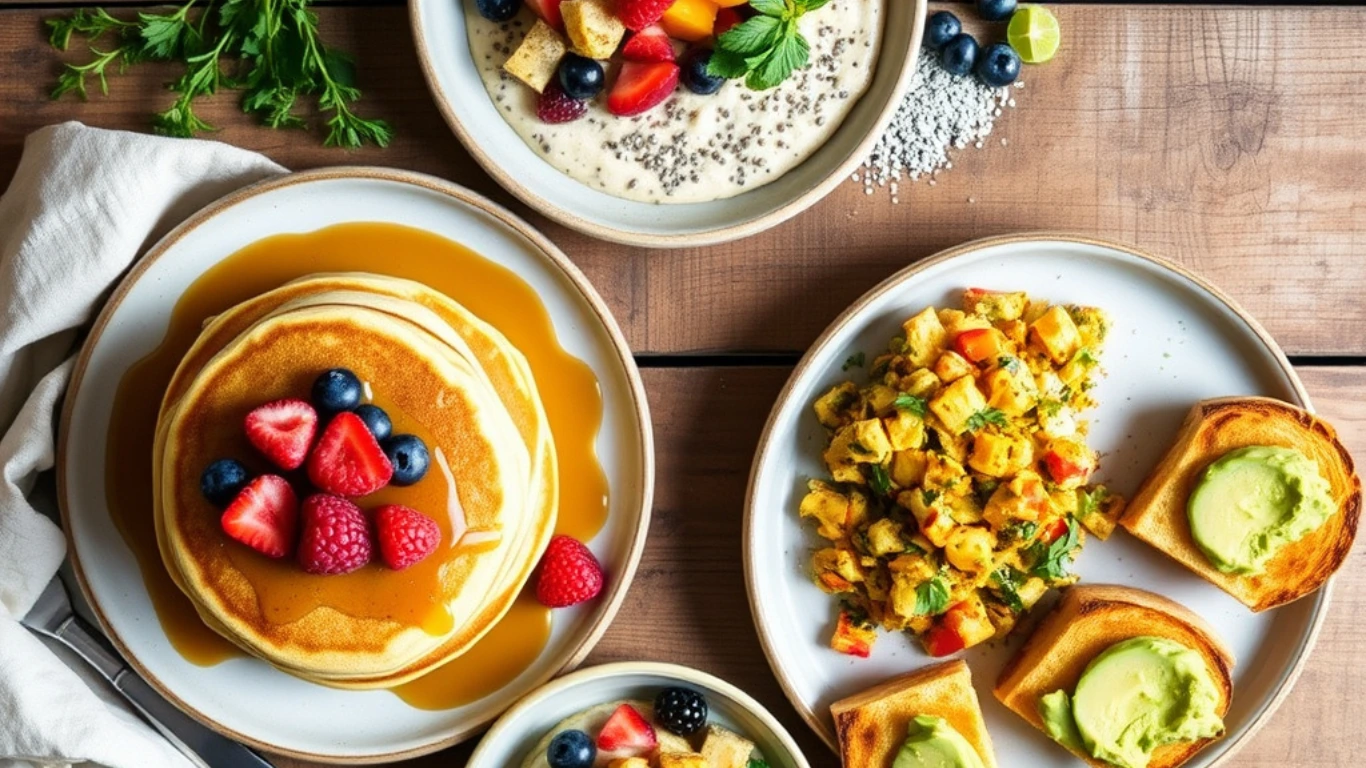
1226,138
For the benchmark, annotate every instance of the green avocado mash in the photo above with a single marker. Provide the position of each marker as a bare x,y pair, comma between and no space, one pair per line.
932,743
1252,501
1136,696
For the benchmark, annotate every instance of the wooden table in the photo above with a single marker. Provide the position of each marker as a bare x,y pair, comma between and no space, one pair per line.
1227,138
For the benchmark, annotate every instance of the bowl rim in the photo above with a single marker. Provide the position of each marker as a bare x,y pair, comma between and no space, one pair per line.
616,588
1323,595
621,668
812,195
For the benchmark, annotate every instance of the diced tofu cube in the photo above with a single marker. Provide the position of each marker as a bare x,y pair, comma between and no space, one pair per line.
1022,498
905,430
934,521
536,59
846,451
726,749
902,594
593,27
677,760
964,509
690,20
1092,323
994,306
1011,389
951,366
999,454
884,537
836,570
832,407
880,398
969,620
1056,334
908,468
829,508
925,338
969,548
853,636
921,382
869,443
913,565
1098,510
1015,330
956,403
1031,591
629,762
955,446
944,475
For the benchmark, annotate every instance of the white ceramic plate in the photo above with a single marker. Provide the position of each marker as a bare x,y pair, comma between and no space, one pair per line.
444,52
1175,340
511,739
246,698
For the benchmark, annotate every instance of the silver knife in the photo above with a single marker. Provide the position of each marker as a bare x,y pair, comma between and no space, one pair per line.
52,616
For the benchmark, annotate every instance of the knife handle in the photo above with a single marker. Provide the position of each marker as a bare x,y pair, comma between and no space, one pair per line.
204,747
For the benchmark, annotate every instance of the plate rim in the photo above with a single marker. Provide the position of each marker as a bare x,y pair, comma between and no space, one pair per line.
814,194
1324,595
618,587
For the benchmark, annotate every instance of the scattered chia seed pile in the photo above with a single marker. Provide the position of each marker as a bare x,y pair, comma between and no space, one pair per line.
939,112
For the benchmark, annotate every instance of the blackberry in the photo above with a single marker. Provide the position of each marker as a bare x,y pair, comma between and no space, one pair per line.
681,710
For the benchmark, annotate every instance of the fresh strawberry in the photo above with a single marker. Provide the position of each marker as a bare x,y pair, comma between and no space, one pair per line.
405,535
569,574
726,18
639,14
264,516
642,85
627,730
548,10
649,44
283,431
336,537
556,106
347,460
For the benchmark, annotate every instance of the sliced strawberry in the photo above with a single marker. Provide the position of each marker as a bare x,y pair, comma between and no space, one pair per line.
649,44
283,431
625,730
641,86
726,18
639,14
549,11
264,516
348,460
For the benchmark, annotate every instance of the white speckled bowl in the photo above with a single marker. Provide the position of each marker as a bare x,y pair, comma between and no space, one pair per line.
510,739
439,29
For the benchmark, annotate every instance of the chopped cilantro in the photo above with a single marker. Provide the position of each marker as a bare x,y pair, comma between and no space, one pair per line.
853,361
755,762
984,417
879,480
1085,356
1051,560
858,447
1049,408
1066,394
1008,363
898,345
1089,503
908,402
932,597
1007,581
929,497
1022,530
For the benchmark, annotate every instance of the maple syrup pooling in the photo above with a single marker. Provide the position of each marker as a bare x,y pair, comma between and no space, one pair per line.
568,390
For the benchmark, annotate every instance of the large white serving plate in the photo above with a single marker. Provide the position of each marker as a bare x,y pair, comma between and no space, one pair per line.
244,697
1175,340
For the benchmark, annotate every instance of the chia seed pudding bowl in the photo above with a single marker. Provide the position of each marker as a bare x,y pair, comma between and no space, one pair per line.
695,169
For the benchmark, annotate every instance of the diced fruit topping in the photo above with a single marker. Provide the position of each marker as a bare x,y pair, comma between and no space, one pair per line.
581,77
538,57
959,54
222,481
498,10
592,26
690,20
726,19
264,516
336,538
729,3
695,75
639,14
681,710
626,730
283,431
376,420
649,44
347,460
995,10
408,456
570,574
571,749
548,10
556,106
335,391
941,28
405,535
641,86
998,66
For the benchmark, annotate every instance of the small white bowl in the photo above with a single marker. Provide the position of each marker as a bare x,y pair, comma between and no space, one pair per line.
444,53
510,739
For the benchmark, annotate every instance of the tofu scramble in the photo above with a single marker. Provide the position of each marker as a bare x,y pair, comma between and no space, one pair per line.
959,485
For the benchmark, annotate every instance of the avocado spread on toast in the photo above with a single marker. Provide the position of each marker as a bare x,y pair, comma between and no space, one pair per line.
932,742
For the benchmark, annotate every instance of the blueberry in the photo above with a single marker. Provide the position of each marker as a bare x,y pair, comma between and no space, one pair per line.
581,77
376,420
999,65
498,10
959,55
995,10
695,74
335,391
409,456
223,480
941,28
571,749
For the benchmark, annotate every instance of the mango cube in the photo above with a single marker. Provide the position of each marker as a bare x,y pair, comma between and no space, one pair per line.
690,20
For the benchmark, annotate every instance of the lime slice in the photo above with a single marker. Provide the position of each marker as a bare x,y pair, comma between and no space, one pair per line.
1034,34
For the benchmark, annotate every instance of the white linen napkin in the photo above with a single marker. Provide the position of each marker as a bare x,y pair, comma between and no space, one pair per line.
83,204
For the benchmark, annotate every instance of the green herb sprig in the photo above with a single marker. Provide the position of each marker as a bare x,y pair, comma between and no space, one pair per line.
1051,560
986,416
908,402
932,597
767,48
268,49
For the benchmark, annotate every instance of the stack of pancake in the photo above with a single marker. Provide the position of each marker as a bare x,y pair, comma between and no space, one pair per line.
439,366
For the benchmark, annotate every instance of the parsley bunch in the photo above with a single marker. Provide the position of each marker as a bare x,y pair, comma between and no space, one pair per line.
767,48
268,49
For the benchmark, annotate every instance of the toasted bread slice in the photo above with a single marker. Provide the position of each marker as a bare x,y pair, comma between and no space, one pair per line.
1157,514
1090,618
872,725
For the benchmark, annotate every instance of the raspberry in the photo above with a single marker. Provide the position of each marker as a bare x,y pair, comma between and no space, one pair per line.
555,106
336,536
405,535
569,574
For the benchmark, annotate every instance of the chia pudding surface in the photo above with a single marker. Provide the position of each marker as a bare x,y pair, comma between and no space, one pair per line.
694,148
